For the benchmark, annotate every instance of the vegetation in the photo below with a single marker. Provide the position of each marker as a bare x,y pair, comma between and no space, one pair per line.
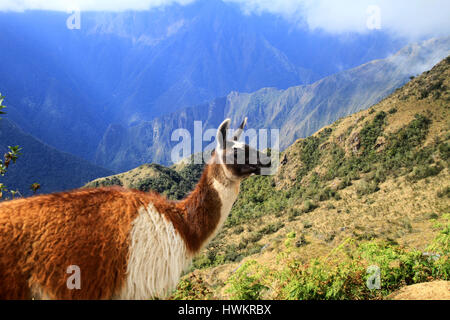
174,182
365,191
345,273
39,163
369,190
400,155
11,155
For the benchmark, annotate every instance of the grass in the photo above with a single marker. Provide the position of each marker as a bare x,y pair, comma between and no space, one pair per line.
378,178
359,175
343,274
371,189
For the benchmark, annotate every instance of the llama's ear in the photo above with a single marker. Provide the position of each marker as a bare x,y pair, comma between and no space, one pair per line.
238,132
221,136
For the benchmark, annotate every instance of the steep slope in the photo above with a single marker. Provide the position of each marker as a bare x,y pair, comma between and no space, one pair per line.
52,169
47,96
370,189
131,66
297,111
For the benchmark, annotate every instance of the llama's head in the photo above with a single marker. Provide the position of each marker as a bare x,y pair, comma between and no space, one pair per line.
238,159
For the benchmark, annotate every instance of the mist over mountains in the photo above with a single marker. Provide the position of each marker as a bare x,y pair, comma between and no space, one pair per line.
66,87
297,111
40,163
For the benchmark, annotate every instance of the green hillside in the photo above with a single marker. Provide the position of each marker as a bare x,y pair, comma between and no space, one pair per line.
174,182
370,189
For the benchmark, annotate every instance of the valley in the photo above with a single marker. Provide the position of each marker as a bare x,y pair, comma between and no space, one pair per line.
371,188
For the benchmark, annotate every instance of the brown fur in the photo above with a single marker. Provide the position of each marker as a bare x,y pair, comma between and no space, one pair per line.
41,236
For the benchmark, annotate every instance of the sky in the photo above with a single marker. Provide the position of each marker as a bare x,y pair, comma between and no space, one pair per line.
406,18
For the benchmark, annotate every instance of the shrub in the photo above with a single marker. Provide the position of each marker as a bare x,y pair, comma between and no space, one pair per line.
326,194
272,228
371,131
238,230
232,254
365,188
293,212
309,156
444,149
444,192
245,284
424,171
309,206
344,183
392,110
192,288
345,273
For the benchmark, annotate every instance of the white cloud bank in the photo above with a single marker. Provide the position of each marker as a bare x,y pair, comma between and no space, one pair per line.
408,18
86,5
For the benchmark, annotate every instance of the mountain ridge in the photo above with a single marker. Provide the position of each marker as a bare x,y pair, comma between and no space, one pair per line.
40,163
369,189
132,66
297,111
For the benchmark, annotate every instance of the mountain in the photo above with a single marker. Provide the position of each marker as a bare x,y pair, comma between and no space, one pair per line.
174,182
371,189
125,67
39,163
297,111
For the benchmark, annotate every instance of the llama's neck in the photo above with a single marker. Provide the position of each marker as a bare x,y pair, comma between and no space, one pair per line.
207,207
162,248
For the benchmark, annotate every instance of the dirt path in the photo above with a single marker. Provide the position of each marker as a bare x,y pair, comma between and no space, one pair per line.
436,290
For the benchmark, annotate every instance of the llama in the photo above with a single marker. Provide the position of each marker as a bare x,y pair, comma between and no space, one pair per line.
126,243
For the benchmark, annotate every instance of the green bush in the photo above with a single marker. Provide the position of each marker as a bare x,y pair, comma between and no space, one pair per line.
444,149
424,171
365,187
392,110
258,197
272,228
309,206
444,192
192,288
309,156
371,131
344,274
244,283
293,213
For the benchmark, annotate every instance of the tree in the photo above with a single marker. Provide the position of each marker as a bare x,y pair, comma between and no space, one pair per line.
11,155
34,187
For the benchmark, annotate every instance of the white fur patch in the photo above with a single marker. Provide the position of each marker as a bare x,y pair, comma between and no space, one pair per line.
228,196
157,257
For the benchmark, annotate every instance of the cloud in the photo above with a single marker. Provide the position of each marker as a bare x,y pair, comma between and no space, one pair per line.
86,5
406,18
